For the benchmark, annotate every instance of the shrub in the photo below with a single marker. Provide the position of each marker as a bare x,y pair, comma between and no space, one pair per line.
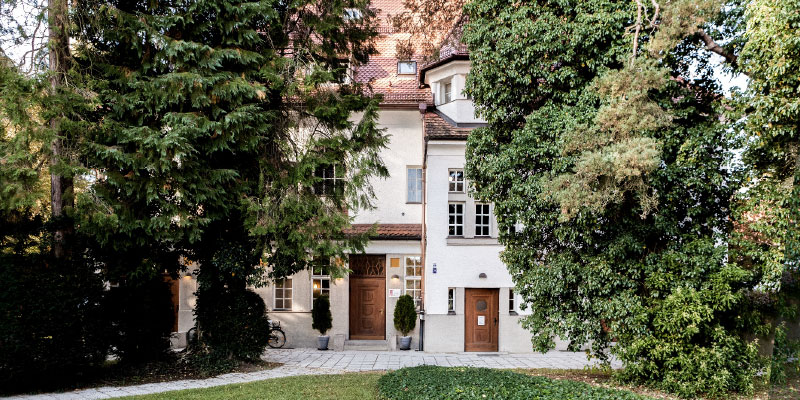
51,330
405,314
321,318
432,382
232,322
141,317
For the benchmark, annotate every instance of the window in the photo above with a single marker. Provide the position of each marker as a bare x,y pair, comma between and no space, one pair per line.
283,294
511,309
447,92
414,185
414,279
406,68
482,220
451,300
352,14
456,180
320,280
330,180
455,222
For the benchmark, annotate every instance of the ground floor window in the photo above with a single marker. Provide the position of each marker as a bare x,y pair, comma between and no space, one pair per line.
451,300
283,294
320,280
511,308
414,279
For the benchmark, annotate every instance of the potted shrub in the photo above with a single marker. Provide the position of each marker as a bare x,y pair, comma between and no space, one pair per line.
322,320
405,319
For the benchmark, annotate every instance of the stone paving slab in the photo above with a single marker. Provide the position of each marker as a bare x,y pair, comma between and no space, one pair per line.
314,362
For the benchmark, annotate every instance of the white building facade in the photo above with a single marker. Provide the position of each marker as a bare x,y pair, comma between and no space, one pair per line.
434,241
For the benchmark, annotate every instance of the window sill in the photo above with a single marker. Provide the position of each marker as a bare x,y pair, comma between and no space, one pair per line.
451,313
512,313
413,202
480,241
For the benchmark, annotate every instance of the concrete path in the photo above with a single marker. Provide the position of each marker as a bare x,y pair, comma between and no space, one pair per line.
314,362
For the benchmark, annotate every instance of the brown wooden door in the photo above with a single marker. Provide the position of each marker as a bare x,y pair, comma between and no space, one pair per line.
480,318
368,297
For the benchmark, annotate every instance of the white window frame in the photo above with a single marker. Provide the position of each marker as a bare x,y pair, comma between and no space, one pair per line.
453,183
512,302
407,62
447,92
483,221
330,181
283,293
451,300
417,190
416,279
453,228
321,277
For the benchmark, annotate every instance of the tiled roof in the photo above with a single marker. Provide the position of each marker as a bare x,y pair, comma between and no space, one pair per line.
389,231
381,69
437,127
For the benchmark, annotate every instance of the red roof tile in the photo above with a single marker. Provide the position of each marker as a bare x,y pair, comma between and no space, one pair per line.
436,127
389,231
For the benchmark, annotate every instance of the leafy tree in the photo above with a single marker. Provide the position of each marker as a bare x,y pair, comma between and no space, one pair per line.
221,127
606,141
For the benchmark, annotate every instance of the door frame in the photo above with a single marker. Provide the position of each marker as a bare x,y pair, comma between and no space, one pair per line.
495,295
367,268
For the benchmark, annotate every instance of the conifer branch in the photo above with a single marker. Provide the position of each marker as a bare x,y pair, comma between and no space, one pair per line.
713,47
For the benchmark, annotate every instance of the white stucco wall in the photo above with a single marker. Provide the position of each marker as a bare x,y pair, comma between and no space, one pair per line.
460,109
405,149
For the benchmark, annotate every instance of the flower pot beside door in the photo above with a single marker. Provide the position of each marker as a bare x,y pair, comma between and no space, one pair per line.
322,320
405,319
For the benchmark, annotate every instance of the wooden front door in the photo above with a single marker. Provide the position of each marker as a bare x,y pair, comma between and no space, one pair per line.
368,297
481,308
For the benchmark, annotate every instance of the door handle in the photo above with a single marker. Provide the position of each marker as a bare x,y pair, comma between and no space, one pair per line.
495,320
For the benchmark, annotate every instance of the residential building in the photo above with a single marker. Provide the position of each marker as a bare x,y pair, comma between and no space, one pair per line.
434,241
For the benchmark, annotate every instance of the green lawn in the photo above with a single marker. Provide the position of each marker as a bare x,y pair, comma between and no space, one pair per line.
359,386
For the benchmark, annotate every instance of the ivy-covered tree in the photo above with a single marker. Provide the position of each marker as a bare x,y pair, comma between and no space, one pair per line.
227,126
606,143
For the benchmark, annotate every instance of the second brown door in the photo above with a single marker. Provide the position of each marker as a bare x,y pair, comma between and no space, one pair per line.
481,308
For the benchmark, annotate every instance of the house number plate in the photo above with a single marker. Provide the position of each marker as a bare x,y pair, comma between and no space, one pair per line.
481,320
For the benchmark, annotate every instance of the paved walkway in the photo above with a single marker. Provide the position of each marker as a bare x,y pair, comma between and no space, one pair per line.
314,362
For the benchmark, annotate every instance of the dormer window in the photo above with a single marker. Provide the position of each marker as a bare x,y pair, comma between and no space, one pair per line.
406,68
447,92
352,14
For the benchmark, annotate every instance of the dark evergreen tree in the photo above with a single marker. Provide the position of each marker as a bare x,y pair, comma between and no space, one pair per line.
227,125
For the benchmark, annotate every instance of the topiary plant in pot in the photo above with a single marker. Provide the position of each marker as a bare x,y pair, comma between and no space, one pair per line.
322,320
405,319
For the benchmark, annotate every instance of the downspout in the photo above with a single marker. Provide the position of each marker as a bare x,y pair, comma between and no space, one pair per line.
423,107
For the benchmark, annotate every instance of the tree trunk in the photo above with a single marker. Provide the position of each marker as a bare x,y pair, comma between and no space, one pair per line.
61,185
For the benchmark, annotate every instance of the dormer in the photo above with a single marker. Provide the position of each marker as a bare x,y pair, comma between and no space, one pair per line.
446,79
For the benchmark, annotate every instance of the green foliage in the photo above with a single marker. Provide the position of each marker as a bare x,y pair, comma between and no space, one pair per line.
405,314
51,325
432,382
141,318
232,323
626,220
785,356
321,318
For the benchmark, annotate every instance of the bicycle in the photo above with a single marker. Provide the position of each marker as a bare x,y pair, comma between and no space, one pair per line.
277,338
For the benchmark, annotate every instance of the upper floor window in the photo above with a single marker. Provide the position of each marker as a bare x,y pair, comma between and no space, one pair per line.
283,294
414,185
456,180
455,223
406,68
447,92
482,219
414,279
320,279
330,180
352,14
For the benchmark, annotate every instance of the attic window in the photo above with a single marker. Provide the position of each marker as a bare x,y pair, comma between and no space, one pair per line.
352,14
406,68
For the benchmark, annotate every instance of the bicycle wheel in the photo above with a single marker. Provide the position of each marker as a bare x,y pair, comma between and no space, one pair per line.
276,338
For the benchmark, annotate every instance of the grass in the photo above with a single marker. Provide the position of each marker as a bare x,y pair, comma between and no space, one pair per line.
363,386
357,386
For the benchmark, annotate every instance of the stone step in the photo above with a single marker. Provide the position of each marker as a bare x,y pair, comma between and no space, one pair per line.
366,345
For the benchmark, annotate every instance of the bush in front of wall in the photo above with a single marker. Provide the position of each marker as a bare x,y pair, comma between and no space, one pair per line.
405,315
321,318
